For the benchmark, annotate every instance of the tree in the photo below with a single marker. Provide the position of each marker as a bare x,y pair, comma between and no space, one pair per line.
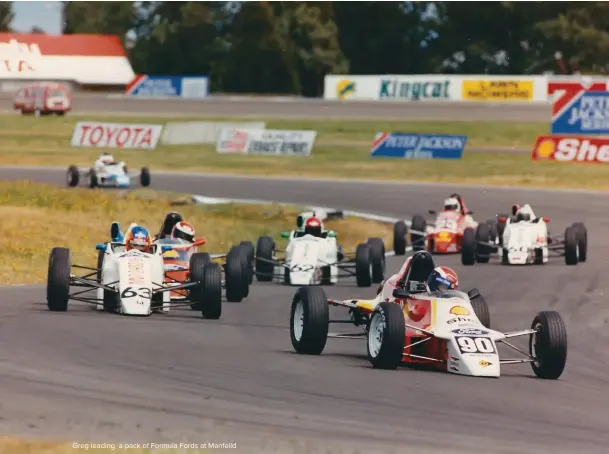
111,18
6,16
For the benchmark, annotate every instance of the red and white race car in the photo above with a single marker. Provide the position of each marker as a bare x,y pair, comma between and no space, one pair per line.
410,321
444,236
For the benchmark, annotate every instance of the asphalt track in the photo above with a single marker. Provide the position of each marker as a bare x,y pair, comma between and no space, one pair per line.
98,377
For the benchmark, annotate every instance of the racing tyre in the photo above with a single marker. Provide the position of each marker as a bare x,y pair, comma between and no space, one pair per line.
386,332
207,296
501,227
204,258
363,265
234,276
265,267
377,259
144,177
58,279
548,345
571,246
399,238
582,240
468,247
73,176
493,229
93,181
480,307
249,249
309,320
483,234
418,240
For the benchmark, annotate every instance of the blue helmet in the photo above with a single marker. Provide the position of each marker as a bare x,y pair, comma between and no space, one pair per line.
138,238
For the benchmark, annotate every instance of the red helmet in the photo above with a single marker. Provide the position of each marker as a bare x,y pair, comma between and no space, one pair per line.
183,230
441,279
313,226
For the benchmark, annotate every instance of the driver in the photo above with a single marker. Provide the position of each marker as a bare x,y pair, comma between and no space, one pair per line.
104,159
523,213
313,226
452,204
138,238
183,231
169,223
442,279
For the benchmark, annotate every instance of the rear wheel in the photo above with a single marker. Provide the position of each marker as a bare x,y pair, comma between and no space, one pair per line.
548,345
571,246
582,240
468,247
58,279
483,235
144,177
265,250
73,176
418,239
309,320
234,276
399,238
480,307
93,180
363,264
249,249
377,259
385,343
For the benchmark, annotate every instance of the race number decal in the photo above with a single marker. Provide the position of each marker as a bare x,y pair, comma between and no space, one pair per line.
130,293
475,344
304,268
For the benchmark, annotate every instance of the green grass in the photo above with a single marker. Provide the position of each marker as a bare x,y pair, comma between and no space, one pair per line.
342,150
38,217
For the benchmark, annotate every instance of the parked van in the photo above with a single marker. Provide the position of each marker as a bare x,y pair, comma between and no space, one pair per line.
43,98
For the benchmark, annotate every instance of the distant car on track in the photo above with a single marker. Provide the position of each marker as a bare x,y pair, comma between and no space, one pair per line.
107,173
523,239
408,323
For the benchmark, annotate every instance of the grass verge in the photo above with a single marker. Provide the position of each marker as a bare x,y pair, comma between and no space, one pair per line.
342,150
37,217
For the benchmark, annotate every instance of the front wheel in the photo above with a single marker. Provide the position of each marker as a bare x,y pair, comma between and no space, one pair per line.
145,177
234,276
385,343
468,247
399,238
363,266
571,246
73,176
377,259
548,345
58,279
309,320
265,250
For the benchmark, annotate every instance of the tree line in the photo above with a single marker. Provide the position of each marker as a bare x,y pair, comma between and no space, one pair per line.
288,47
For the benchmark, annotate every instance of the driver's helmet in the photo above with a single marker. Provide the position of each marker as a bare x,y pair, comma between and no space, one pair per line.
138,238
452,204
184,231
313,226
441,279
169,223
106,158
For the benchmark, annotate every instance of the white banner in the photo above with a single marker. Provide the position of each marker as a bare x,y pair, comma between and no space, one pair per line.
116,135
435,87
269,142
201,132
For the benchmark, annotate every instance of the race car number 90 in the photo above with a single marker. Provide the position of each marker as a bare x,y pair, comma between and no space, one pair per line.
304,268
475,344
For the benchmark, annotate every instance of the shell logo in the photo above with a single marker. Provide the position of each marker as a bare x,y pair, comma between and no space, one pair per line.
545,149
459,310
483,363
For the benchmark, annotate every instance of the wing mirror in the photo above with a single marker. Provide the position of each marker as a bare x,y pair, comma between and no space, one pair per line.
400,293
285,234
331,234
166,248
199,242
100,247
433,212
546,219
502,219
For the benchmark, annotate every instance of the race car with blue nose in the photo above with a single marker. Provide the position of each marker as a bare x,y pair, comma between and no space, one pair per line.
107,173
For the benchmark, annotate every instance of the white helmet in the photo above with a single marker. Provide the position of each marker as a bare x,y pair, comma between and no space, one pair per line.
106,158
183,230
452,204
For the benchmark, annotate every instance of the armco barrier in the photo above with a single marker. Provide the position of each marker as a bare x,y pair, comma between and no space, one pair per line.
437,87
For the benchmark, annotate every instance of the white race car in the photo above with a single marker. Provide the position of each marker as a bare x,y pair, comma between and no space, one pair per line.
318,259
110,174
523,239
405,324
131,282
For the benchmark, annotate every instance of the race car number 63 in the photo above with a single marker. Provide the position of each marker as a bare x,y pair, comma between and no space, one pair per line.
130,293
475,344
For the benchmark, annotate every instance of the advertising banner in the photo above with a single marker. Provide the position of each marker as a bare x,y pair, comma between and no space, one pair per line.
418,146
163,86
269,142
116,135
571,149
201,132
390,88
579,108
497,90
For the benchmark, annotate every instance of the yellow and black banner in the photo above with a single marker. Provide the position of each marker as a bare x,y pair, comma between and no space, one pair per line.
498,90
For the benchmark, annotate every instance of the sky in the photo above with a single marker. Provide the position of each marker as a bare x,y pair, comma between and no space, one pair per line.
45,15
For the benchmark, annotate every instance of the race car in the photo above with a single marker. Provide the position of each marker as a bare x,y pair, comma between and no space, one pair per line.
443,237
522,239
409,323
107,173
313,257
177,259
129,279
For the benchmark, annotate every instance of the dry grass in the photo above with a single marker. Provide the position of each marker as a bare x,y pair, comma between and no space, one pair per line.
37,217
